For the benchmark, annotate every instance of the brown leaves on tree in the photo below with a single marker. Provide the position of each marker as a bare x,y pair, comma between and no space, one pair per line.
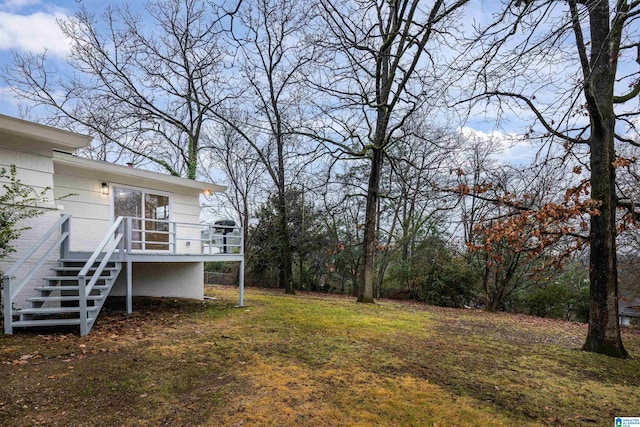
622,162
555,227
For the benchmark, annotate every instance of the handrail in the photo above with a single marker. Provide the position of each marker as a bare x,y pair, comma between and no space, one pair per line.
85,288
9,291
101,246
213,232
40,263
36,246
105,260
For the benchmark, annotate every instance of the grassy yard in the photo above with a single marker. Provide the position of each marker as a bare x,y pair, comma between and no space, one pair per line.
313,360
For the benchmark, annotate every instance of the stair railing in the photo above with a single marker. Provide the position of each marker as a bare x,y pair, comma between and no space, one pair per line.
10,290
114,239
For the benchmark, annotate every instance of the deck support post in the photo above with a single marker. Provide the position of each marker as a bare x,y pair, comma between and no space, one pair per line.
82,292
241,284
8,309
129,296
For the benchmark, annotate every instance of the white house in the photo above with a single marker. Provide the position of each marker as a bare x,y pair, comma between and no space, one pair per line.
108,230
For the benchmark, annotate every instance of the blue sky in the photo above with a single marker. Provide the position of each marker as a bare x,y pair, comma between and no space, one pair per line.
31,25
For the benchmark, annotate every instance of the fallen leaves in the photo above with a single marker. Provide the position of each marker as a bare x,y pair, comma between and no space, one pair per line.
55,376
25,359
312,357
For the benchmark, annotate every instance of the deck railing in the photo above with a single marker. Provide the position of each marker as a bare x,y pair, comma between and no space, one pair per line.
154,235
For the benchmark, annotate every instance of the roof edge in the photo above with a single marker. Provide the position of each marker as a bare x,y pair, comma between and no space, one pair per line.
83,163
59,138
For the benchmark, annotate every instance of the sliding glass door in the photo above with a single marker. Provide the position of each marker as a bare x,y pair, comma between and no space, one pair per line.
150,231
156,208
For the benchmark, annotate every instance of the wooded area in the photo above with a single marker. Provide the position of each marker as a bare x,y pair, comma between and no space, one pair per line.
365,143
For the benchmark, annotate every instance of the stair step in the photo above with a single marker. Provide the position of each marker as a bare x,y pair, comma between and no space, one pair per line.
72,278
74,269
64,298
45,322
51,310
48,322
61,279
62,289
68,288
80,262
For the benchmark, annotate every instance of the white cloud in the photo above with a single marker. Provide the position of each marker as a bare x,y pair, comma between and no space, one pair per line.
17,4
35,32
509,147
9,103
7,95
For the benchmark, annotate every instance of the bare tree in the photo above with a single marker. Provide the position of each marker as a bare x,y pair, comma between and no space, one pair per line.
272,58
497,264
409,200
507,237
587,50
344,219
145,83
243,171
383,72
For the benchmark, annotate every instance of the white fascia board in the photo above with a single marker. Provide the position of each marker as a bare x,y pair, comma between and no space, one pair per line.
58,138
134,173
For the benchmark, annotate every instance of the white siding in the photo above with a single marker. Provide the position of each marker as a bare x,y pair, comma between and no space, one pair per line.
34,167
89,209
180,280
32,159
92,210
186,208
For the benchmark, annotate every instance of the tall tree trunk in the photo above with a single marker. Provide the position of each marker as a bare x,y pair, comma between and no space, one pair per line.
192,158
285,276
365,293
604,331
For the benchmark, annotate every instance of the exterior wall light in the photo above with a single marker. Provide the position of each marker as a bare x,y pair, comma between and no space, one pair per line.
105,188
207,192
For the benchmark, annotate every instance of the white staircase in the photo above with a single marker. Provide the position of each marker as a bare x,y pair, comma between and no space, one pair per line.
57,303
77,288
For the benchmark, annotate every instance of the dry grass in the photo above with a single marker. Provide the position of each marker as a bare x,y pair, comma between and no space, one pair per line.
313,360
